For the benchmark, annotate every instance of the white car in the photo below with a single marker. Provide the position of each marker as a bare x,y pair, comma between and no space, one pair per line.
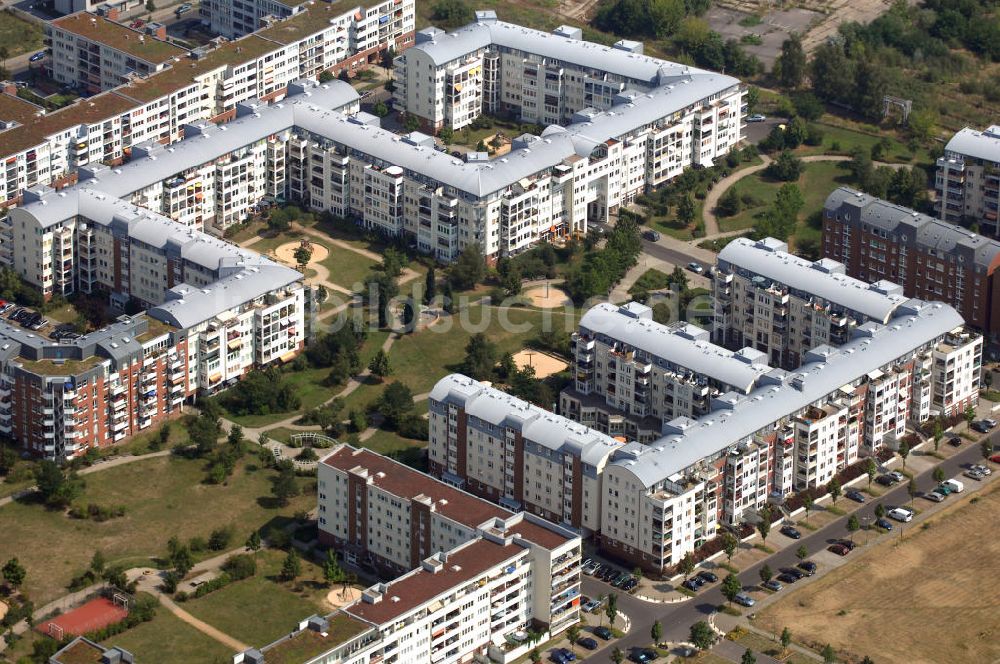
900,514
974,474
985,470
756,117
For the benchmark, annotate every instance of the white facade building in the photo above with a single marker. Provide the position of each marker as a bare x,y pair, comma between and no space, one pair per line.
967,182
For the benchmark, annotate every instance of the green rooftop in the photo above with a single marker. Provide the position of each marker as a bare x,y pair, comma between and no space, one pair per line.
156,328
61,367
79,652
307,644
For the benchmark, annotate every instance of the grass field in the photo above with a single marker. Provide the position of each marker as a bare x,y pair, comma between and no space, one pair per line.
18,35
347,268
164,496
935,597
817,181
260,609
168,640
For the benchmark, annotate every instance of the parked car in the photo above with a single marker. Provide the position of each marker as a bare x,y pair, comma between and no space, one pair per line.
985,470
757,117
642,655
981,426
897,476
944,489
773,585
183,9
973,474
855,495
995,458
795,572
787,578
587,642
37,56
630,585
744,600
708,576
955,441
652,236
956,485
900,514
990,422
884,524
696,267
791,531
848,543
885,480
620,583
693,584
603,633
590,605
807,566
839,549
934,496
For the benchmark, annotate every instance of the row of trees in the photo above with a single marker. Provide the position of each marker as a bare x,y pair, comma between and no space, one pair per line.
601,269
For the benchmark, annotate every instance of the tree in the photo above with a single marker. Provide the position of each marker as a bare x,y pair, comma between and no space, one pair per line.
834,489
302,254
219,538
291,568
911,489
853,525
411,123
332,571
451,13
938,435
809,503
802,552
656,632
870,87
182,561
686,210
379,365
686,565
447,135
786,168
480,357
729,204
766,573
235,438
395,403
748,657
326,76
729,545
380,109
468,269
867,660
938,475
879,511
731,587
678,279
617,656
253,542
791,63
14,573
828,654
702,635
764,524
430,285
786,638
871,468
284,486
970,414
611,608
535,656
904,451
573,634
986,449
97,562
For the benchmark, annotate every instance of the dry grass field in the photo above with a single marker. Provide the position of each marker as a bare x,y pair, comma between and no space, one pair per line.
933,598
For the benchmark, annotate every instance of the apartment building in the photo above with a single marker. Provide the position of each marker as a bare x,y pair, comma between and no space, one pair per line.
794,431
205,84
784,305
92,53
477,601
59,399
504,449
632,375
83,650
932,259
967,182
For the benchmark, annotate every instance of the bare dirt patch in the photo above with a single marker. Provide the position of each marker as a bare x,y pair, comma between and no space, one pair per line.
286,253
548,297
544,365
935,597
339,597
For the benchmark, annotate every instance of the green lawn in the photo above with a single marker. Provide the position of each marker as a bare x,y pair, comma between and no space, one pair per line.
260,609
347,268
817,181
164,496
18,35
168,640
651,280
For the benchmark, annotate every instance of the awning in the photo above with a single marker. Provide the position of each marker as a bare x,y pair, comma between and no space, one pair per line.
288,357
234,344
214,377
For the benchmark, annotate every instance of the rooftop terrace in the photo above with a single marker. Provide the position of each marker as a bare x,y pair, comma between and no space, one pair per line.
307,643
115,35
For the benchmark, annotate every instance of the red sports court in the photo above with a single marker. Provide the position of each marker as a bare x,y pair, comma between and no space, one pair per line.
95,614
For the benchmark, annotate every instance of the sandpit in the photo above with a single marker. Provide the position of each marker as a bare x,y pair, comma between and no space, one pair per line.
286,253
336,599
3,609
552,299
544,365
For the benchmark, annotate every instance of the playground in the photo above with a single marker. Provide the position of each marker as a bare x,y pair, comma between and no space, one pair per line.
93,615
286,253
339,597
548,297
544,365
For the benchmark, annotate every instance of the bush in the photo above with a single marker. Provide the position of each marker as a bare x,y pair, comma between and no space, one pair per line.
220,538
307,454
241,566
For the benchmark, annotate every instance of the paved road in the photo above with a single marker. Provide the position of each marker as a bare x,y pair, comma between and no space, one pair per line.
678,618
668,254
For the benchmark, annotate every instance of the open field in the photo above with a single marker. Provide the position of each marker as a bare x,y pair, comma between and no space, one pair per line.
347,268
163,496
18,35
935,597
258,610
168,640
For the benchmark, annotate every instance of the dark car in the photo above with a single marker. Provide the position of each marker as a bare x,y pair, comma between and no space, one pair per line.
652,236
839,549
642,655
588,643
773,584
708,576
847,543
807,566
603,633
609,573
630,584
37,56
884,524
787,578
955,441
692,585
980,426
855,495
789,531
625,578
885,480
568,655
794,571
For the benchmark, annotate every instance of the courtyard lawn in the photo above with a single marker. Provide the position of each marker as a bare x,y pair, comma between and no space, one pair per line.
347,268
260,609
163,496
651,280
166,639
